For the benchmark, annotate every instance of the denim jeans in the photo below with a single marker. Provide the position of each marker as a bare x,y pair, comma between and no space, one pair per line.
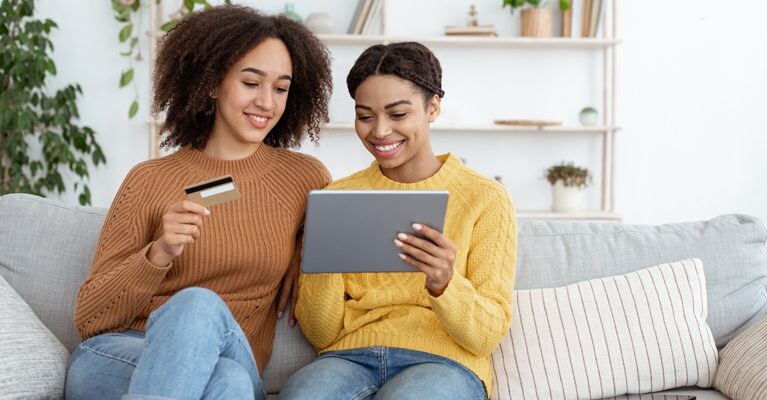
192,349
383,373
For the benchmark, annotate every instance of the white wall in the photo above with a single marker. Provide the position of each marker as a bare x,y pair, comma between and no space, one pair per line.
690,82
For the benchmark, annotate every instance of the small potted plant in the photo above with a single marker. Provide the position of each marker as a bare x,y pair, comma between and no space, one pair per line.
536,20
567,182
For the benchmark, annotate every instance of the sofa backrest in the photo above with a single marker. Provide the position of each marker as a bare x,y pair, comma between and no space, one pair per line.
732,248
46,249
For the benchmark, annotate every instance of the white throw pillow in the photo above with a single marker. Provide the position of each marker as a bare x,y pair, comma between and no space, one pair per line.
33,363
636,333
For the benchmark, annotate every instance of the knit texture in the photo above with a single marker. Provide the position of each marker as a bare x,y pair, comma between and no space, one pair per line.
244,249
465,323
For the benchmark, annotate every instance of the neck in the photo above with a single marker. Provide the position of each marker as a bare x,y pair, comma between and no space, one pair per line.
418,168
223,149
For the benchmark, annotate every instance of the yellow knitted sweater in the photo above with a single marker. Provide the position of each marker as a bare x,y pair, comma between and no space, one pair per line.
245,246
467,322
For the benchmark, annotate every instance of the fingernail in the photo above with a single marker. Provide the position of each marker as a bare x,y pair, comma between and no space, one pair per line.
279,314
398,243
402,256
292,322
417,227
207,212
402,236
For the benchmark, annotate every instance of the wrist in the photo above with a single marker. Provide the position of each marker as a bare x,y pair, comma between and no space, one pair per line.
157,255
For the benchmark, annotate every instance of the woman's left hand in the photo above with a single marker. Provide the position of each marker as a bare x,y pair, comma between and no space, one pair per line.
434,256
289,287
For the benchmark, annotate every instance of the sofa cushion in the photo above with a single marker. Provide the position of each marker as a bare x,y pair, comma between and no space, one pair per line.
640,332
731,247
34,362
46,249
743,364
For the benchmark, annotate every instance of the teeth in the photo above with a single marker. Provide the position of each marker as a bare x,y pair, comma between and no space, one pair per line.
388,147
257,119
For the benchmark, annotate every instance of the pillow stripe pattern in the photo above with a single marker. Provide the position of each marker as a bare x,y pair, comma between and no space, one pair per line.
742,371
636,333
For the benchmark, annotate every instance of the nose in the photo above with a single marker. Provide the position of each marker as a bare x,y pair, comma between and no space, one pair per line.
381,129
264,99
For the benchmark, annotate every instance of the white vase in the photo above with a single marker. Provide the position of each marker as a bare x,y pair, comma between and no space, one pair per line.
320,22
566,198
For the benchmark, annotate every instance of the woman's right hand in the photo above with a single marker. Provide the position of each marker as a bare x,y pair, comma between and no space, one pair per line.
181,225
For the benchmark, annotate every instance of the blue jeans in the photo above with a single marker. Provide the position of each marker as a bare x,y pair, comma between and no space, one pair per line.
193,349
383,373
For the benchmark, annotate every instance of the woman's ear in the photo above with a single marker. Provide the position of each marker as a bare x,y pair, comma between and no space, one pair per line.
434,107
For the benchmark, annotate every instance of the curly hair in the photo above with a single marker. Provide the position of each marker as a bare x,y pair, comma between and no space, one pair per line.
196,54
410,61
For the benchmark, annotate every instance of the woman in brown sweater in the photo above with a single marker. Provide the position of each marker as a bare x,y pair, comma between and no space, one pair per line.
180,299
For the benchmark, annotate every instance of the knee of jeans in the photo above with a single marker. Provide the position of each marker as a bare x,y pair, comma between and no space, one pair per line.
230,380
195,303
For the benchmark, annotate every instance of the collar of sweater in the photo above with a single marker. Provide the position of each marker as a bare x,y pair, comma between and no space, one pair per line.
446,175
255,164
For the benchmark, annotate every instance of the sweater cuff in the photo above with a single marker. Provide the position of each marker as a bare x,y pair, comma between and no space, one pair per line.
458,290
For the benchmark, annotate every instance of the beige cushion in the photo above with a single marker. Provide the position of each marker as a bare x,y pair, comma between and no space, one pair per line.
33,363
743,365
640,332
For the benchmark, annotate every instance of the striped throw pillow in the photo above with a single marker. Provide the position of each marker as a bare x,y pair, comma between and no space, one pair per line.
742,371
636,333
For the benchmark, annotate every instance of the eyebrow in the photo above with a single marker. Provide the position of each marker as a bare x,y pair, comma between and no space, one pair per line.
386,107
262,73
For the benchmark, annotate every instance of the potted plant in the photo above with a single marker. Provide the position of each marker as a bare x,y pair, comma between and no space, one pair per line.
537,21
41,141
567,182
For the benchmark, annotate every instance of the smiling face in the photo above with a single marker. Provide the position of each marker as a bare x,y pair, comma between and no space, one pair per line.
251,99
393,124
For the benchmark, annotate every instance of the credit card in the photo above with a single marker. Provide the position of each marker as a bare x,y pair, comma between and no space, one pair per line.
212,192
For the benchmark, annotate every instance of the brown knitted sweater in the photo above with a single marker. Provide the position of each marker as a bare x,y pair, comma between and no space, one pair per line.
244,249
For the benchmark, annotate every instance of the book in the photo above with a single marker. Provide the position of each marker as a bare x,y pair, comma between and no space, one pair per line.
596,16
567,23
483,30
362,17
586,18
355,16
372,22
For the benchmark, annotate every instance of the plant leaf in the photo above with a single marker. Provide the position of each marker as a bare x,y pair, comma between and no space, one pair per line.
126,77
168,25
133,109
125,32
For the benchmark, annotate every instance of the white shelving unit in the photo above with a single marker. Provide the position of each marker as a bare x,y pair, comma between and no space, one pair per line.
607,128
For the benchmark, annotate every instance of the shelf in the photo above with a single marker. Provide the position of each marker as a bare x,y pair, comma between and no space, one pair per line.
583,215
508,41
495,128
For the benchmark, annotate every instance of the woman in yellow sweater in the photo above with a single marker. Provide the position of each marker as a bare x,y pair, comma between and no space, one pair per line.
426,335
180,299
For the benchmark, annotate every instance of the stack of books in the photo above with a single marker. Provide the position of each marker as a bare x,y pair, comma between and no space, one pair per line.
367,18
590,14
484,30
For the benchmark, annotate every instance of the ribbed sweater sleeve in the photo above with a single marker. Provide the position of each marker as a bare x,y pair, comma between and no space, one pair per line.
320,308
475,310
121,281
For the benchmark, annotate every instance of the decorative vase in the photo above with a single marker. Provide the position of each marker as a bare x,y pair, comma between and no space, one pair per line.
566,198
589,116
290,13
320,22
537,22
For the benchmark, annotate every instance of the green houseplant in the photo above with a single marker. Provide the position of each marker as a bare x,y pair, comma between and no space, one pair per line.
537,21
567,182
28,112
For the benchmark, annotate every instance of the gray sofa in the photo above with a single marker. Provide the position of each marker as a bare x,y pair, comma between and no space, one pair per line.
46,248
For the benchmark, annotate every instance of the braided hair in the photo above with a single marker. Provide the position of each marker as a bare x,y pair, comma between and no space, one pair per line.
410,61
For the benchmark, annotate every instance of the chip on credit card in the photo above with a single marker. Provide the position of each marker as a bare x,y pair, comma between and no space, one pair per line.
212,192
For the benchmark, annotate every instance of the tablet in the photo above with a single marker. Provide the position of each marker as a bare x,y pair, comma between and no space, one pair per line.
354,231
